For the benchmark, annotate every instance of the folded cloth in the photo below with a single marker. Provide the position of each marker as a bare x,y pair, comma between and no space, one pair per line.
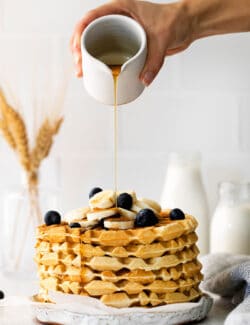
229,276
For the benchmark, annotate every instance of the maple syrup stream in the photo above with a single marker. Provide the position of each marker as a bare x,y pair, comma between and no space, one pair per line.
116,69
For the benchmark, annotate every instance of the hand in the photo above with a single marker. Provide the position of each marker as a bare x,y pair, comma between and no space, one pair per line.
168,28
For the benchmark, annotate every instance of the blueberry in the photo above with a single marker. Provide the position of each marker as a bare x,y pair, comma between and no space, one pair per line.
125,201
52,218
176,214
145,218
1,294
101,223
75,225
94,191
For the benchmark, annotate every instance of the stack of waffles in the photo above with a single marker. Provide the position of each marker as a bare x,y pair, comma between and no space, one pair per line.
139,266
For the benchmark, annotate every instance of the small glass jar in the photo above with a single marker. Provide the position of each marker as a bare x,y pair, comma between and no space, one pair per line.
184,189
230,226
20,216
22,209
22,213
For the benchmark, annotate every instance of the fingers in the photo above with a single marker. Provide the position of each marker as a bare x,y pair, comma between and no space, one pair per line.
110,8
177,50
77,57
154,61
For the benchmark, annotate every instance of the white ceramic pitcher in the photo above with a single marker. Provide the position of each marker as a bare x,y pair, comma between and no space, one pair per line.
113,40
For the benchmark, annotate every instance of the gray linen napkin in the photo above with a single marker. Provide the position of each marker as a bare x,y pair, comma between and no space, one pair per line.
229,276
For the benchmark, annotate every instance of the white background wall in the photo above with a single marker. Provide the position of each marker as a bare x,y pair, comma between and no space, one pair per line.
200,101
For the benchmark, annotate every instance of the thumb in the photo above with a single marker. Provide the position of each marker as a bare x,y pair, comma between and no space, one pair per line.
154,61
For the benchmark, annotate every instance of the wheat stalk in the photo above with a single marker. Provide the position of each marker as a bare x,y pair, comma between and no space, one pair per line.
4,124
14,131
57,125
18,130
6,134
44,141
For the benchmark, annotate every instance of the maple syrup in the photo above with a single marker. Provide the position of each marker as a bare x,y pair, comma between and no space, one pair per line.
116,69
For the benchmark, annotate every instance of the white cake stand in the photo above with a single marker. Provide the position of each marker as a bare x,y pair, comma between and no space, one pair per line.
175,314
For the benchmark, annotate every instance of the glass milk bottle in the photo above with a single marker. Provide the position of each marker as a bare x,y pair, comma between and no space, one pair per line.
184,189
230,226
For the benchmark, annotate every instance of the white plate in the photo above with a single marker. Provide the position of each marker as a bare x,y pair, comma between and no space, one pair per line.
58,313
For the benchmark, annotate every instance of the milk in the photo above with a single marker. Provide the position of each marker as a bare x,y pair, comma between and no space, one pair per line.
184,189
230,226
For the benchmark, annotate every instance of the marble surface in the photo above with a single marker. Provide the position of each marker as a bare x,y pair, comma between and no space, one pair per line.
21,313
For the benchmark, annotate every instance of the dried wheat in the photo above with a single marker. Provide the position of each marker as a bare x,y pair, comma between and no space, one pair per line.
4,124
6,134
57,125
14,131
18,130
44,141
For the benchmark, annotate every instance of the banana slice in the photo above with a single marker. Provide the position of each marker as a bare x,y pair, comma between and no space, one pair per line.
88,223
119,223
101,214
154,205
103,200
127,213
133,194
139,205
76,214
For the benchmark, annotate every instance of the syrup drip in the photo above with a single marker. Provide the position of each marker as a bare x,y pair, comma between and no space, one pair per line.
116,69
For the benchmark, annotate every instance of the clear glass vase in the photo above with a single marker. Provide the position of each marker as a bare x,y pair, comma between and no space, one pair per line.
22,213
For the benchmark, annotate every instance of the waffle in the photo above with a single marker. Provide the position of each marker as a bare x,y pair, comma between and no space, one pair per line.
165,230
99,287
143,251
86,275
106,263
147,266
121,300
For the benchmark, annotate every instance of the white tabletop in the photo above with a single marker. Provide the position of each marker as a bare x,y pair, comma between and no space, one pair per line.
20,312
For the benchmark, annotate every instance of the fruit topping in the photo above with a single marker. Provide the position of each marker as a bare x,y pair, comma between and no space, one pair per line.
125,201
126,213
101,223
1,294
101,214
176,214
121,223
153,204
87,224
103,200
94,191
145,218
76,214
75,225
52,218
139,205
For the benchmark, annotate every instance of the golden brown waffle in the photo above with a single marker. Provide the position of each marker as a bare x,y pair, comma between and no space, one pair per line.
106,263
142,251
85,274
99,287
165,230
136,267
121,300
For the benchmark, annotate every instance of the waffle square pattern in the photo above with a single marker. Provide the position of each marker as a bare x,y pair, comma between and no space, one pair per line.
147,266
